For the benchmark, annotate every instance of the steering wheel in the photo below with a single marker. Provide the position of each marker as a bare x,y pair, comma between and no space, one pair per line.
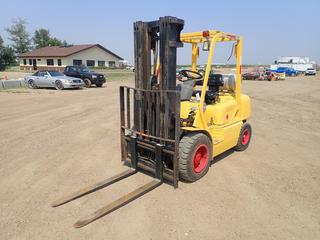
190,75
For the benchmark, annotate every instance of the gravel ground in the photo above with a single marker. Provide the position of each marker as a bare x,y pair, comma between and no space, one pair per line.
54,142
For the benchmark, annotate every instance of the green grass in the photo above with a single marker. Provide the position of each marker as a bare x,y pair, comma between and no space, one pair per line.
116,76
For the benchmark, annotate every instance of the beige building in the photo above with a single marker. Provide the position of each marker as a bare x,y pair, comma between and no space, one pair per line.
91,55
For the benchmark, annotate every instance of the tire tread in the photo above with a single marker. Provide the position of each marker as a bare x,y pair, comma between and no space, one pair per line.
186,146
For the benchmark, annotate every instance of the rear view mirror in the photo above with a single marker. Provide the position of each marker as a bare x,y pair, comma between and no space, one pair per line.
206,45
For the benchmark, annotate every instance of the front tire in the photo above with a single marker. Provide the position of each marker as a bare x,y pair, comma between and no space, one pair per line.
59,85
195,154
244,137
87,82
99,84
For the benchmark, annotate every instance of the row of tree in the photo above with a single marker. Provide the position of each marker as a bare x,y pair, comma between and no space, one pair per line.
21,41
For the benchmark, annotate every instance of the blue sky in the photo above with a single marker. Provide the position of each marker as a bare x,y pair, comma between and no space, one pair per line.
270,28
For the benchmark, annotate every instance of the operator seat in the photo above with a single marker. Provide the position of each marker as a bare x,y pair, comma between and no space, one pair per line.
215,81
186,90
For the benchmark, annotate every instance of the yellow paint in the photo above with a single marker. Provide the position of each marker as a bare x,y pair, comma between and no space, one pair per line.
195,52
221,121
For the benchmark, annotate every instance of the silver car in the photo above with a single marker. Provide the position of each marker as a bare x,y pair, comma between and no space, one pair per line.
53,79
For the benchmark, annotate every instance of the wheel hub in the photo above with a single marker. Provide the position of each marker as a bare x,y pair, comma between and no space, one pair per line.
245,137
200,158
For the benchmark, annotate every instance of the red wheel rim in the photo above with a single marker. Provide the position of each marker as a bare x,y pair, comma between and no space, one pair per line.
245,137
200,158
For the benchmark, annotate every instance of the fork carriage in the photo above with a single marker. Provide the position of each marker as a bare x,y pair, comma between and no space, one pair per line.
150,131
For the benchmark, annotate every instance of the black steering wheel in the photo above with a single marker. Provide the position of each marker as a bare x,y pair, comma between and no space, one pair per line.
190,75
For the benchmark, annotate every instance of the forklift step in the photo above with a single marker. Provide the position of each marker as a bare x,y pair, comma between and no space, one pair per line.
118,203
94,187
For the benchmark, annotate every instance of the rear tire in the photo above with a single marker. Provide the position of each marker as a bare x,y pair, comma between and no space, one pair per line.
99,84
31,84
87,82
244,137
195,155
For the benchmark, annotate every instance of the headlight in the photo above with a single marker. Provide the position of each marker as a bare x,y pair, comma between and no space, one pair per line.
94,76
67,81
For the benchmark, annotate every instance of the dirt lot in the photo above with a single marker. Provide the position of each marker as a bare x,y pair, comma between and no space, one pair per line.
53,142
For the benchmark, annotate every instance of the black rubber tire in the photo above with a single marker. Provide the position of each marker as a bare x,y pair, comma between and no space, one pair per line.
31,84
59,85
99,84
240,146
187,147
87,82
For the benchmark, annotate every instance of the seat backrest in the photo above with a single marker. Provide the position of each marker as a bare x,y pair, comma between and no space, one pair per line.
215,80
186,89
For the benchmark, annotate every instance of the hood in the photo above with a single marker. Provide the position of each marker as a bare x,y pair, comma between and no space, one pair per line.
95,73
68,78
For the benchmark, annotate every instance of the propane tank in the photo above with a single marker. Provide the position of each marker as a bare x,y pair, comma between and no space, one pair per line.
229,82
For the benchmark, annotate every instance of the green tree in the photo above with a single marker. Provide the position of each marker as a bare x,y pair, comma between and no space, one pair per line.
1,42
1,49
41,38
55,42
64,43
7,56
19,36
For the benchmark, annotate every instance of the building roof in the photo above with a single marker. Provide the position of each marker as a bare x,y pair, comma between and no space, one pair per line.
63,51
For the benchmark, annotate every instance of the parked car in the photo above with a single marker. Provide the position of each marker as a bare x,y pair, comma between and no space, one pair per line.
270,76
255,75
53,79
86,75
273,76
288,71
130,68
311,71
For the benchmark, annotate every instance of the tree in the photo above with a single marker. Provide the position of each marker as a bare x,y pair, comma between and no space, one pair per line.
1,49
1,42
55,42
19,36
41,38
7,56
64,43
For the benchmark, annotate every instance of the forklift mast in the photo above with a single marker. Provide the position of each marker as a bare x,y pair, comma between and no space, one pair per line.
147,36
150,112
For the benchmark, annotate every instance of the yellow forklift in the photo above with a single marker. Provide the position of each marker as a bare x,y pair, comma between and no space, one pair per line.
173,131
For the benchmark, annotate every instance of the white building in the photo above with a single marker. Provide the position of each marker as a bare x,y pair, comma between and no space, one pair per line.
297,63
55,57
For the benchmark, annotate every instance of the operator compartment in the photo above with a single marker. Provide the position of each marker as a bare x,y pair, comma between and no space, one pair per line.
220,104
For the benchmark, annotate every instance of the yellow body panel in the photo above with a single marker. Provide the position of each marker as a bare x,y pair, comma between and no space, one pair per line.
220,121
223,120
